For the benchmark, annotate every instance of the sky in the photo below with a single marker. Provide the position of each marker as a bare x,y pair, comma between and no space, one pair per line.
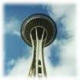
59,56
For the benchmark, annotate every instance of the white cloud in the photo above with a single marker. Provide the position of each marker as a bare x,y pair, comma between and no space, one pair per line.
21,67
66,13
67,66
13,26
12,62
67,49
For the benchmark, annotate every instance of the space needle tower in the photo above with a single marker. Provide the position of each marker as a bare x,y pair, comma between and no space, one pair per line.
38,31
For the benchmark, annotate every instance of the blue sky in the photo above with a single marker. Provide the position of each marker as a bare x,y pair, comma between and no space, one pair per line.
14,46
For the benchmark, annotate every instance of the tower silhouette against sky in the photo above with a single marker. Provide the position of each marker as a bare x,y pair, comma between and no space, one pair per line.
38,31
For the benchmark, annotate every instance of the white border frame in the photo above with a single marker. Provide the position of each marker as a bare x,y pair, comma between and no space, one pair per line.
76,2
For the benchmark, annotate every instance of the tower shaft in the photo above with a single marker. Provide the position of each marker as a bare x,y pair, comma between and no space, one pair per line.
38,67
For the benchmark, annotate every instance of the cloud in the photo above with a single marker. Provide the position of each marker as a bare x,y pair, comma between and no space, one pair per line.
65,14
21,67
13,26
12,62
67,48
67,65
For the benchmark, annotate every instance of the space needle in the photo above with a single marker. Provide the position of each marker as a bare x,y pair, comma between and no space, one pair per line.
38,31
